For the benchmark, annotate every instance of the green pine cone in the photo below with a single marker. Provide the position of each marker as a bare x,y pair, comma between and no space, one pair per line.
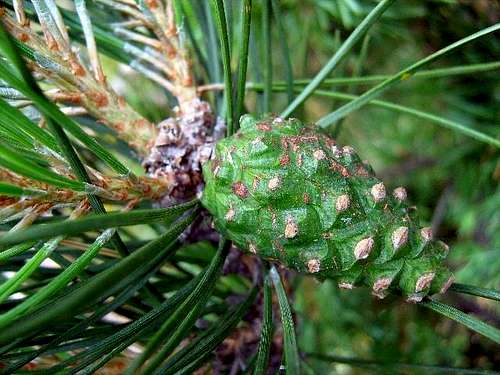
287,193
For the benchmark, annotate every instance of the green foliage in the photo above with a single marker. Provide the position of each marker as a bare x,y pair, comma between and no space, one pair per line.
71,304
292,361
262,359
97,222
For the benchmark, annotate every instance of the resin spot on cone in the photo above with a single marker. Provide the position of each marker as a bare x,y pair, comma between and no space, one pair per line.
252,248
399,237
378,192
291,228
363,248
380,287
274,183
344,285
424,281
313,265
342,203
230,214
426,234
400,194
240,189
447,284
414,298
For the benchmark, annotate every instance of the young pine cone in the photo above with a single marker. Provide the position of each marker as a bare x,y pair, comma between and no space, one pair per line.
287,193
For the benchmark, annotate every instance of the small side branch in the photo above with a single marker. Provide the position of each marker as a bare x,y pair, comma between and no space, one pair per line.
54,60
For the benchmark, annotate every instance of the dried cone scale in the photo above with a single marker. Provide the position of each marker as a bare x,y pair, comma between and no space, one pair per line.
283,191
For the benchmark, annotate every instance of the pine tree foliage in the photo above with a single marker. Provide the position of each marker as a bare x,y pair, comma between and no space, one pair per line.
111,109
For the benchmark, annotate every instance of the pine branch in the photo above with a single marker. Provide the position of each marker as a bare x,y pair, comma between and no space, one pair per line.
53,59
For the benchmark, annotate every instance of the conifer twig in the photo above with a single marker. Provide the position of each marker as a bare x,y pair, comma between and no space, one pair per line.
55,61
